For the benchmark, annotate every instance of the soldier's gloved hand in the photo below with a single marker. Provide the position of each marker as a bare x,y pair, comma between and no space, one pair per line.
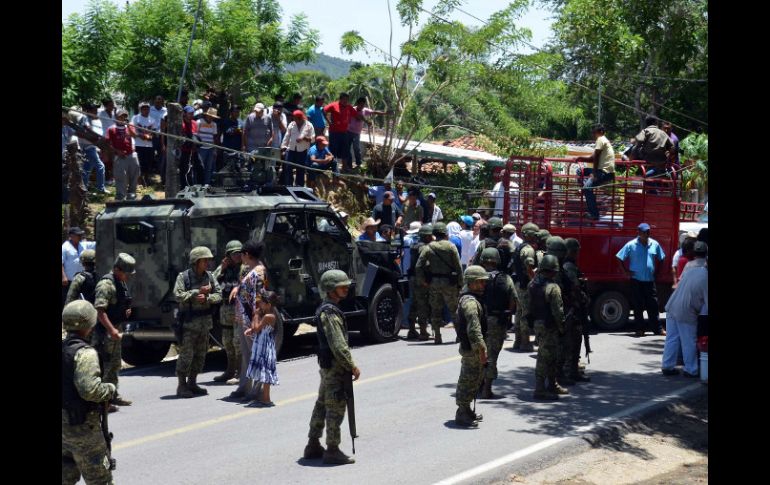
356,373
200,298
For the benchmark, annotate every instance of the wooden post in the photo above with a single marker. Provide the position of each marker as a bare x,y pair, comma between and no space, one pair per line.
77,191
173,127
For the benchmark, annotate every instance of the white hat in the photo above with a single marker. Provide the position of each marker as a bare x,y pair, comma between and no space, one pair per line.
414,227
432,194
259,106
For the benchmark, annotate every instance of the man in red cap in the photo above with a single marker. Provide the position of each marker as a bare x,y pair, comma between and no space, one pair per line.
319,157
299,136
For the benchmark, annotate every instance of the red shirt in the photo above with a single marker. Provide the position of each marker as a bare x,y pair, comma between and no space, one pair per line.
680,265
340,116
189,128
120,138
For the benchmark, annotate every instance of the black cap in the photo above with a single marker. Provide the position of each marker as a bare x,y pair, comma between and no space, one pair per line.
76,230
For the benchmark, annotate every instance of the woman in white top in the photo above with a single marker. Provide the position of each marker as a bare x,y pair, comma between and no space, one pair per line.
298,138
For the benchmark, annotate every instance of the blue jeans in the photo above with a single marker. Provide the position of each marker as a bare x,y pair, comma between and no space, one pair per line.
355,140
680,335
208,158
601,177
93,161
311,175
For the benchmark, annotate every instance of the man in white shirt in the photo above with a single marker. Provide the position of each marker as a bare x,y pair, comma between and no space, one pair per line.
466,237
92,161
70,258
682,310
158,112
143,139
498,194
432,213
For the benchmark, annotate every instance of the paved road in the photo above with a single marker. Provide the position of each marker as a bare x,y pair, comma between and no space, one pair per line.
405,411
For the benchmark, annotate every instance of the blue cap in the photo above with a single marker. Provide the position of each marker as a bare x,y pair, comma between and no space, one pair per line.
644,227
189,109
467,220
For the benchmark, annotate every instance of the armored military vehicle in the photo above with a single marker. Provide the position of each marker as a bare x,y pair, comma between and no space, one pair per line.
303,237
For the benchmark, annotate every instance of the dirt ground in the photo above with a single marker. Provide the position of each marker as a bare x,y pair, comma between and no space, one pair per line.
667,447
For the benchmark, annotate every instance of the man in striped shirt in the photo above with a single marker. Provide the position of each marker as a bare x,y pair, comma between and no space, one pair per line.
208,132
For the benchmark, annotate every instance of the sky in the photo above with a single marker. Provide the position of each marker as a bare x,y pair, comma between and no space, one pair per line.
370,19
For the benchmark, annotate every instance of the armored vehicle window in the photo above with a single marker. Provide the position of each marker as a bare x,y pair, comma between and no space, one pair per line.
135,232
288,224
326,225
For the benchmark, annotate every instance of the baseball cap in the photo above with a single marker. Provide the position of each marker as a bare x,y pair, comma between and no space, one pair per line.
189,109
467,220
644,227
259,106
432,194
76,230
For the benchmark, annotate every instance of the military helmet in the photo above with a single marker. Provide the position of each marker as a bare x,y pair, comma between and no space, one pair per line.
556,245
78,315
509,228
572,244
548,263
333,278
88,256
490,255
425,230
475,272
199,252
126,263
233,246
543,235
495,223
440,228
529,229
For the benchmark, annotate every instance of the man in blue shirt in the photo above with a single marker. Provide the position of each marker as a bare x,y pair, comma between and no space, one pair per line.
319,157
70,257
644,255
315,114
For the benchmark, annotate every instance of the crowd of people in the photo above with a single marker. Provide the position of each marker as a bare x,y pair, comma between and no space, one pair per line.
316,137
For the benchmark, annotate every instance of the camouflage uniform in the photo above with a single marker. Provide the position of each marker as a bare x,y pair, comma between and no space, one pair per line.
574,333
195,343
83,449
471,322
329,410
77,285
420,307
522,323
227,317
435,267
106,296
549,301
501,287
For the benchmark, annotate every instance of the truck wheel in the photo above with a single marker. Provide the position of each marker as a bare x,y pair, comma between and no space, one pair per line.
610,311
384,315
143,352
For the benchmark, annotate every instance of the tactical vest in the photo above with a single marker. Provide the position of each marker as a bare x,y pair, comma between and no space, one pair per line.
88,288
538,307
461,324
117,312
504,249
189,314
445,269
77,408
414,255
566,288
521,276
228,280
325,356
494,294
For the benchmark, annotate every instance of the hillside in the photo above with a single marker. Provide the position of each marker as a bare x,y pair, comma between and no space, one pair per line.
331,66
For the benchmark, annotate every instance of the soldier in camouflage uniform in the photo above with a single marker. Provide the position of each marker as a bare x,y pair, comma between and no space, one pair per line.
580,307
542,239
337,366
420,307
196,291
499,301
546,310
524,264
113,304
556,247
496,239
470,324
84,282
83,449
439,270
226,275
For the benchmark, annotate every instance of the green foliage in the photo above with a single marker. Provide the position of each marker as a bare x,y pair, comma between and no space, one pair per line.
695,148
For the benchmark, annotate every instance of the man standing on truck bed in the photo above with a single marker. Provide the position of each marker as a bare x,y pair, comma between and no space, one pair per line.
652,145
603,171
197,291
644,255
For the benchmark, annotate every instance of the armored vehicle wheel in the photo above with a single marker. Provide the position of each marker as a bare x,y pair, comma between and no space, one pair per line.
279,333
384,315
143,352
610,311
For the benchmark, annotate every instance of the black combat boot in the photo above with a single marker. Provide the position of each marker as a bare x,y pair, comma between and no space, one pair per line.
554,387
229,372
313,449
119,401
333,456
516,340
194,387
541,393
182,390
464,417
486,389
424,335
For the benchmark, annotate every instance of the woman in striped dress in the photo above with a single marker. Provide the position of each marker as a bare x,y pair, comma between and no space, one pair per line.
262,366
